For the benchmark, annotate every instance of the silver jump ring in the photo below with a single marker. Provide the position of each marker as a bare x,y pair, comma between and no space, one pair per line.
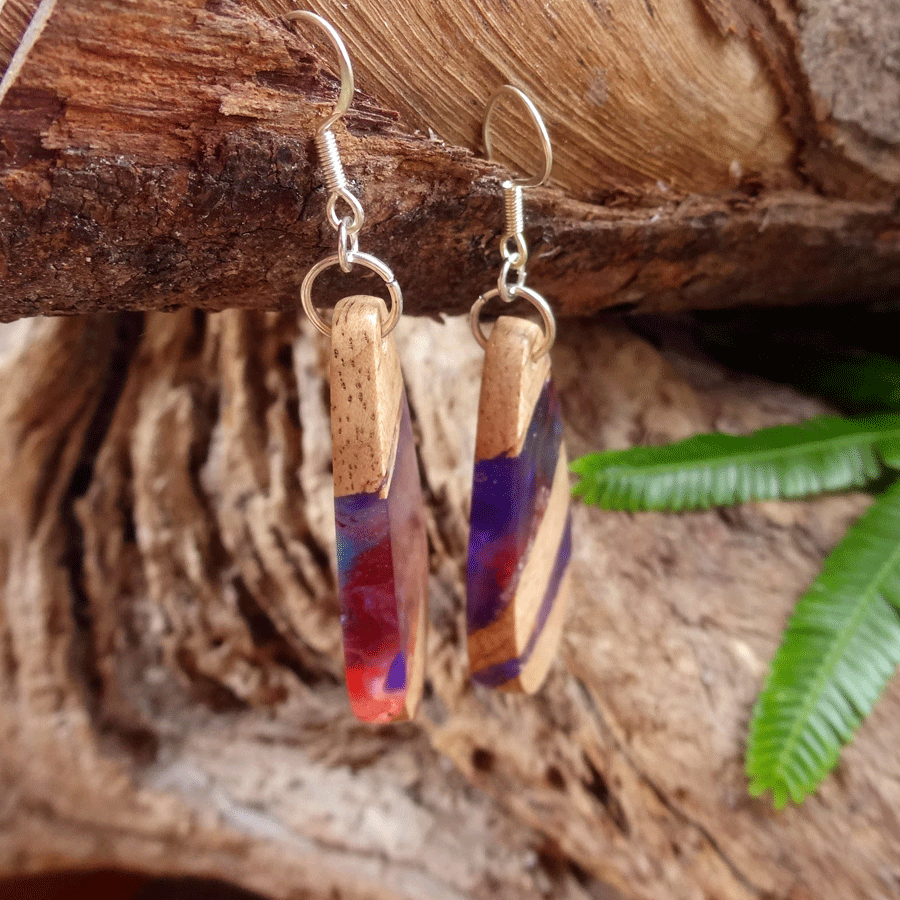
356,222
373,264
535,299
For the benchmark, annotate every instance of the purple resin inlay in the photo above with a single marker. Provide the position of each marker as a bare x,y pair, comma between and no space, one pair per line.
494,676
509,497
382,573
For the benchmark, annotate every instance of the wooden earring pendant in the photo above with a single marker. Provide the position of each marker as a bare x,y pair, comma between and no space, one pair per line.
382,553
520,539
382,556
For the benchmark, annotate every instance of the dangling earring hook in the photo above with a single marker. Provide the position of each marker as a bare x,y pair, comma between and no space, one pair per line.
345,98
513,248
537,121
347,226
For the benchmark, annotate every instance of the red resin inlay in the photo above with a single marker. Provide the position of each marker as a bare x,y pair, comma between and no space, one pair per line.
382,574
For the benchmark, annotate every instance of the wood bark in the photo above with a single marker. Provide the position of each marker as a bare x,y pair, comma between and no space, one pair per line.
709,152
171,675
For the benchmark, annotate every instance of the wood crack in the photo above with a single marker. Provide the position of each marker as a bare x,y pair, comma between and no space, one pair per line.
124,343
665,800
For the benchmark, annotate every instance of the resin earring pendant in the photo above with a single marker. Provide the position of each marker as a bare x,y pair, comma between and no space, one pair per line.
381,546
382,553
520,540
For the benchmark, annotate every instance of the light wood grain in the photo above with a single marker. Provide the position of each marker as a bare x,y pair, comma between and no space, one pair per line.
533,584
366,393
534,671
415,666
511,382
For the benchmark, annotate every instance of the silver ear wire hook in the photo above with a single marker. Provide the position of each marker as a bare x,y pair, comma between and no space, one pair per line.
345,98
348,226
537,121
326,144
513,247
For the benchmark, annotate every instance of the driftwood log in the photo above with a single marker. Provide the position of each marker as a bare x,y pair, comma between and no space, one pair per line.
170,673
171,685
709,152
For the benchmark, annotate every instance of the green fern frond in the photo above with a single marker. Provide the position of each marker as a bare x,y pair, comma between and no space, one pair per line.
824,454
841,646
857,382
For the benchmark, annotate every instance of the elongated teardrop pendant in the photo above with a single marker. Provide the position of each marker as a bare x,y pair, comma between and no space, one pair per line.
382,553
520,537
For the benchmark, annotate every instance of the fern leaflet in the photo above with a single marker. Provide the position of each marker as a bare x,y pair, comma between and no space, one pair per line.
841,646
824,454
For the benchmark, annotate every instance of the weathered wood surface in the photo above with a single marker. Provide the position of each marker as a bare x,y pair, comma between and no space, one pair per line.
709,152
170,672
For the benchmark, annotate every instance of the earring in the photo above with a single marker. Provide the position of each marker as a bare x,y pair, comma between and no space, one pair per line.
520,538
382,558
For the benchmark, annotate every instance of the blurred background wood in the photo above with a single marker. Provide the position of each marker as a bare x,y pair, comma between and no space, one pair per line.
709,152
171,697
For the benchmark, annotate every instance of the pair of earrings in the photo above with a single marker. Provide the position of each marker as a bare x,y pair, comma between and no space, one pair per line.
520,537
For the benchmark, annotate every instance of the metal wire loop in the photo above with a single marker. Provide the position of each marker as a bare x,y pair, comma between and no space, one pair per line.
513,248
348,246
346,67
330,156
326,142
512,205
373,264
535,299
354,222
515,226
349,224
507,289
517,254
543,138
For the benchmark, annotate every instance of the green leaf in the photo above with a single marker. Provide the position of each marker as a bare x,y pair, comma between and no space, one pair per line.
889,451
824,454
861,382
841,646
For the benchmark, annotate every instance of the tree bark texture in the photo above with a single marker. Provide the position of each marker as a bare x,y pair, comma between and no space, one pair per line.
171,697
159,154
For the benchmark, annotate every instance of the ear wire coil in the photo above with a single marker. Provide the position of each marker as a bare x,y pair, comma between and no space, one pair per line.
330,157
513,206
